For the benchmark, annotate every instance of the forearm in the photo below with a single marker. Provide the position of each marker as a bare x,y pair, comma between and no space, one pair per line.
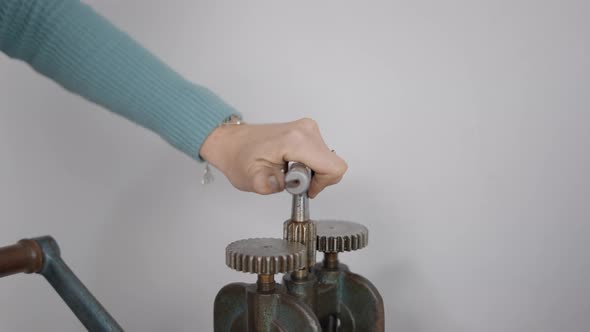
70,43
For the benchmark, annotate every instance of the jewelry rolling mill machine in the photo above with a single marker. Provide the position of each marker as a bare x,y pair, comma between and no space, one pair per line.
313,297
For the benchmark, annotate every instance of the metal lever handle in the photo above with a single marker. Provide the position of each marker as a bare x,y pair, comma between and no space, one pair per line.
298,178
42,255
297,181
300,228
22,257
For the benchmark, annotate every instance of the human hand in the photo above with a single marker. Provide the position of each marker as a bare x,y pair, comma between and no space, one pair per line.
252,156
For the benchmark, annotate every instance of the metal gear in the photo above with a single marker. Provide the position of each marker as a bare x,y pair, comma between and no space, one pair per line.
304,233
338,236
265,256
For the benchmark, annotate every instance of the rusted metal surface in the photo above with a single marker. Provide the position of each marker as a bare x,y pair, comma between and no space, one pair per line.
241,307
264,306
22,257
332,298
347,302
266,283
331,261
305,289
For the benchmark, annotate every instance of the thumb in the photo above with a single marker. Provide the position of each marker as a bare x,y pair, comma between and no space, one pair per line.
268,180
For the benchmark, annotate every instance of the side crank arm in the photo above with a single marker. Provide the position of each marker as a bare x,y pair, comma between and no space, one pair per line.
42,255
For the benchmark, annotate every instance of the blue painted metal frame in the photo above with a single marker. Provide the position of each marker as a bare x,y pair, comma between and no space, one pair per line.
82,303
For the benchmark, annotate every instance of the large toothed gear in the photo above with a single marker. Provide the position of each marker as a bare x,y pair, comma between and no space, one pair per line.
339,236
265,256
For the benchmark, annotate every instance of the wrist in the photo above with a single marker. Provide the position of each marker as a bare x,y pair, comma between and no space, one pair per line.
217,149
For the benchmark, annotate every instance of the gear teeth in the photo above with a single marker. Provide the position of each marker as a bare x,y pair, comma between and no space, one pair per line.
341,243
304,232
339,236
265,256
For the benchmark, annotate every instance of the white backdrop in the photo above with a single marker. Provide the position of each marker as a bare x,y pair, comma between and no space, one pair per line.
465,125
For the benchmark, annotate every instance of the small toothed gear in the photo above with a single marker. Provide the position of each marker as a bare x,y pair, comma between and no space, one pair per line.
338,236
265,256
304,233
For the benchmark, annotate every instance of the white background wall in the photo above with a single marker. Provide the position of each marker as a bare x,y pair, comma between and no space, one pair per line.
465,125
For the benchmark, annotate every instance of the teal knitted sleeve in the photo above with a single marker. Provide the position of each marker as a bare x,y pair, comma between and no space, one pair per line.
70,43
